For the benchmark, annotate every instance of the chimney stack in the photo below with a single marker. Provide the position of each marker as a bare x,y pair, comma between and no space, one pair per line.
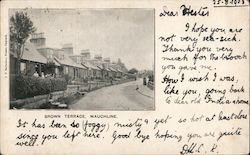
68,48
85,53
38,39
98,57
106,60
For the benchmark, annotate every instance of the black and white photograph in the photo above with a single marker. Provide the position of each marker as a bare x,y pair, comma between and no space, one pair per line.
82,59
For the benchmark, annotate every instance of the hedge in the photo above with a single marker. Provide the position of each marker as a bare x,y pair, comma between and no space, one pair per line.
28,86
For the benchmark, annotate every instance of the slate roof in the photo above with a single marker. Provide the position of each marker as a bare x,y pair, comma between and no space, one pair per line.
90,66
31,54
112,69
119,70
100,67
44,47
103,68
108,69
68,62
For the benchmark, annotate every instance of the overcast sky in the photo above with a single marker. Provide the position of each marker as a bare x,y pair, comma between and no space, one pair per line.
116,33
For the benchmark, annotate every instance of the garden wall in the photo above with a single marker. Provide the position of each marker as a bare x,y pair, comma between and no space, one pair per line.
38,100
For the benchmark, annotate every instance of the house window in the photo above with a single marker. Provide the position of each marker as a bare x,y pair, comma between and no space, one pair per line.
56,71
76,73
23,67
66,70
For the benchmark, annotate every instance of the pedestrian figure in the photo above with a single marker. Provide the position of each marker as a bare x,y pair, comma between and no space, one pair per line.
144,81
111,81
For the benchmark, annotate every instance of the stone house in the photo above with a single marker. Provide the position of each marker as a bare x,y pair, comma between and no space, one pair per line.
70,69
32,61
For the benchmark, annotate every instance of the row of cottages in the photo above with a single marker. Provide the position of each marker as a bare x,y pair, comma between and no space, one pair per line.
36,57
100,68
75,68
65,67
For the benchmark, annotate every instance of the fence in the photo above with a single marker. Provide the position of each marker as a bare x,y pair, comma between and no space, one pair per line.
71,89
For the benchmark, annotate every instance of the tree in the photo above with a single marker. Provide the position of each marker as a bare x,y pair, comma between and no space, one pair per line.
133,71
20,28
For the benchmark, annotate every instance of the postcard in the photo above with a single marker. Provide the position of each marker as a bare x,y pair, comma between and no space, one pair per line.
125,77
